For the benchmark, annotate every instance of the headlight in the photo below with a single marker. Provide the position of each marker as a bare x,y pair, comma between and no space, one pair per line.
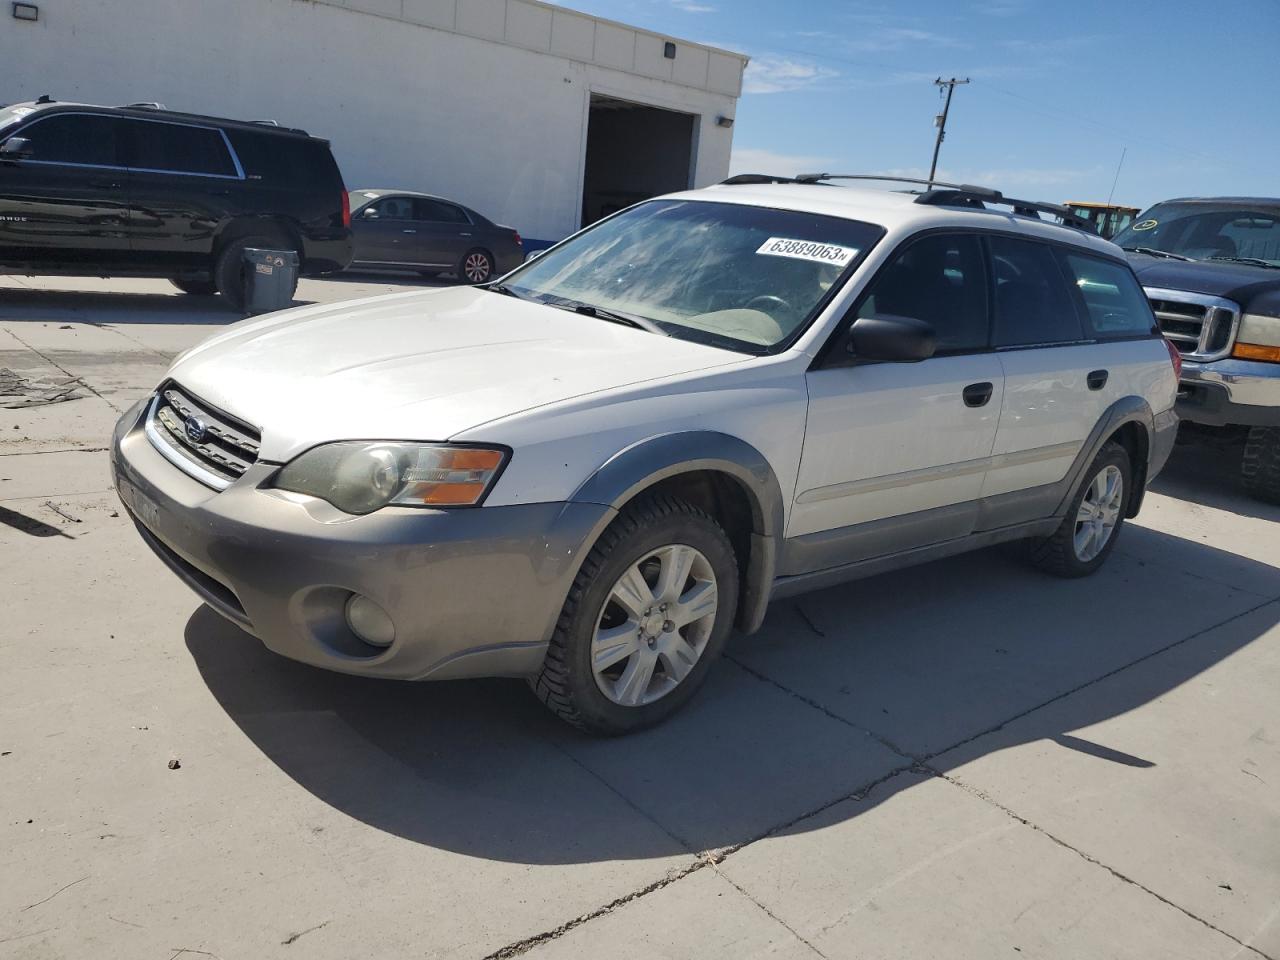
362,476
1258,338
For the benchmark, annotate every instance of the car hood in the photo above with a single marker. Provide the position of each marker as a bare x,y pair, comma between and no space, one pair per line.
418,366
1251,287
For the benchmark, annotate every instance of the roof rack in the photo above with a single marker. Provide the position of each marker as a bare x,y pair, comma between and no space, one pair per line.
964,197
747,179
939,193
966,187
266,123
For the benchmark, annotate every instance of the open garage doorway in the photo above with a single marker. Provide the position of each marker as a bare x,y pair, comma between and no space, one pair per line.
633,152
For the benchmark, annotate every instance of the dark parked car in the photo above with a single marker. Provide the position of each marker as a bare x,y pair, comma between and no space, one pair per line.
400,230
1211,268
142,191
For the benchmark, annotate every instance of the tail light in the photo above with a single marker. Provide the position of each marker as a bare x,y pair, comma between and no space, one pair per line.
1175,357
346,209
519,242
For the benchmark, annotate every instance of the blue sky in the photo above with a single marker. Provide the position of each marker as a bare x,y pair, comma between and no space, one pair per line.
1190,91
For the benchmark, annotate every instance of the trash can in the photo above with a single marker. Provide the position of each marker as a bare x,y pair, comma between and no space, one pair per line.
270,279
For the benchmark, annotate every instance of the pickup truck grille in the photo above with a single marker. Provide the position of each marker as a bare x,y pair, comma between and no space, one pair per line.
1200,326
198,439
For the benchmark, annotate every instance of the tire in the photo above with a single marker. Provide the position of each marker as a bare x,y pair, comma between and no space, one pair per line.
1260,465
646,540
476,267
228,269
1061,553
196,288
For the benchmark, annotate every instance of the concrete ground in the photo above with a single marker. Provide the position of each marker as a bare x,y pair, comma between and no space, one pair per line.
964,760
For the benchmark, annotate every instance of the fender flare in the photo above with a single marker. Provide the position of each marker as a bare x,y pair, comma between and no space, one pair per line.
638,467
1130,409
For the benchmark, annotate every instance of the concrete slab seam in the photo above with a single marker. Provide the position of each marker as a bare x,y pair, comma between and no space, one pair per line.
1196,576
1106,676
983,795
53,363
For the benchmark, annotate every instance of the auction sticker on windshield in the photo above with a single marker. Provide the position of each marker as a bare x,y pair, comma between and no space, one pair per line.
808,250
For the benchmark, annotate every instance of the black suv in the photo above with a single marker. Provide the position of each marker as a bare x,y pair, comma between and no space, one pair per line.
143,191
1211,268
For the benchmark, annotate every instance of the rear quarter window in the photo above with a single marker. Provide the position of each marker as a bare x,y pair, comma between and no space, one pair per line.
287,162
1115,306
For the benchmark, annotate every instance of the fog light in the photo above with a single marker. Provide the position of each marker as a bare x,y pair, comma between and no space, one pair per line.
369,621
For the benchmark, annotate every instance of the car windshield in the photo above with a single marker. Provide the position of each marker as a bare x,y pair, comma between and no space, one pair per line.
743,277
1203,231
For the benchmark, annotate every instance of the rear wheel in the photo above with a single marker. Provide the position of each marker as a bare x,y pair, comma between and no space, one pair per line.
1260,466
645,618
228,270
1092,525
476,266
197,288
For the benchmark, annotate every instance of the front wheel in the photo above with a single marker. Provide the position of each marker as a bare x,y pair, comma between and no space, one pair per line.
1092,525
476,267
648,613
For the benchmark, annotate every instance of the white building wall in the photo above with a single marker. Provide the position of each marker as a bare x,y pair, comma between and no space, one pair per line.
485,101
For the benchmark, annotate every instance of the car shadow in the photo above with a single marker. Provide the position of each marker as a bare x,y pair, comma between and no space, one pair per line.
839,690
403,279
1204,468
105,307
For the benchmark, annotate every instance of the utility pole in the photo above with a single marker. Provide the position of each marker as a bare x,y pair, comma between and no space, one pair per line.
940,121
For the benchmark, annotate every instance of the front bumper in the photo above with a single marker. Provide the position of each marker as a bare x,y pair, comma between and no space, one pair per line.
1245,392
471,592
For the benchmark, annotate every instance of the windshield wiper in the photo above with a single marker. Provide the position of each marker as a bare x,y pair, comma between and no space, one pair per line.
1153,252
506,291
629,319
1252,261
600,313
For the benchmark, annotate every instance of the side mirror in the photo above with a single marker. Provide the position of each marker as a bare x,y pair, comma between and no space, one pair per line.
891,339
15,148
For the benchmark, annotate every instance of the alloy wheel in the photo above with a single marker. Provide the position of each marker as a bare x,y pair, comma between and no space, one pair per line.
654,625
1099,513
477,267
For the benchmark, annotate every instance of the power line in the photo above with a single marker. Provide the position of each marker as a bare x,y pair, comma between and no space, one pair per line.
1035,107
941,120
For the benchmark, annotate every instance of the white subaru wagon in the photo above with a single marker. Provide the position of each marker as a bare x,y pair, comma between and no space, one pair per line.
589,472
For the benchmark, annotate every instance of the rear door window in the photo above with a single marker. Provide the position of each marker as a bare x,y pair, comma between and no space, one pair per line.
1115,305
178,148
75,138
438,211
1033,304
285,161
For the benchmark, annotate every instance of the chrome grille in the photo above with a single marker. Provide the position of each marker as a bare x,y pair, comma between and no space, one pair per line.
1200,326
199,439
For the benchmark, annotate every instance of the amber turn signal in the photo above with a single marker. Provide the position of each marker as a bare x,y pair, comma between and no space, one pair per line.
1256,351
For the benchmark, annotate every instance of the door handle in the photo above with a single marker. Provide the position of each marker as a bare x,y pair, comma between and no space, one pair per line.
977,394
408,231
1097,379
464,234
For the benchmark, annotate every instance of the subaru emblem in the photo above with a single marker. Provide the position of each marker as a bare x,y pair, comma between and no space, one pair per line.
196,429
